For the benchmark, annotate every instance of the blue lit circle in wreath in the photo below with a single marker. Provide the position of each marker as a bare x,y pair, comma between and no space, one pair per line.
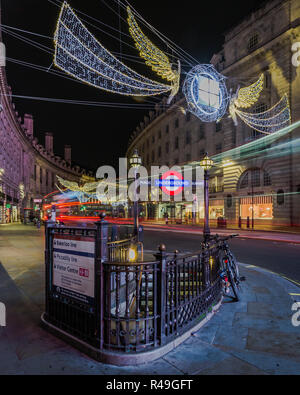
206,93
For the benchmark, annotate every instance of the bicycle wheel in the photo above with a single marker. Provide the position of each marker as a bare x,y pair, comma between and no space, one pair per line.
235,271
232,279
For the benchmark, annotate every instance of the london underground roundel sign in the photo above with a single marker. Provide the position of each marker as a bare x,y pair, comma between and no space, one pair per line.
172,183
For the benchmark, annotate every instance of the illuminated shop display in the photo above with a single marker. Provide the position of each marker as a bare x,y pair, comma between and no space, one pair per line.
79,54
262,207
155,58
206,93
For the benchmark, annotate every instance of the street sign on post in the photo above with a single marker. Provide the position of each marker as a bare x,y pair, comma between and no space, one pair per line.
73,267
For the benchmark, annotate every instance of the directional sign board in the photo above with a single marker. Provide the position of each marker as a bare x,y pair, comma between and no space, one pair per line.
73,267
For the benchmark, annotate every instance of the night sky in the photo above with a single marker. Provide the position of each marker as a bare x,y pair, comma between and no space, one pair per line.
99,135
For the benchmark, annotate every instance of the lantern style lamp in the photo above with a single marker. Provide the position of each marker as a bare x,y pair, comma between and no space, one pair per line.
135,162
206,163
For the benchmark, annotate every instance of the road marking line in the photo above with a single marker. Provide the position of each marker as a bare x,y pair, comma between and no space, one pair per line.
268,271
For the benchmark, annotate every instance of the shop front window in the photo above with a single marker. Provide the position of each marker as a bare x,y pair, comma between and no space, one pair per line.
259,207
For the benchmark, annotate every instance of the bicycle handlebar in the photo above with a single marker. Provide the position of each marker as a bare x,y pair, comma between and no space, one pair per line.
218,238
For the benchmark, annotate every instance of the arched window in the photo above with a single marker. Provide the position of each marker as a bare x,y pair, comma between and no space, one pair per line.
229,201
244,182
267,179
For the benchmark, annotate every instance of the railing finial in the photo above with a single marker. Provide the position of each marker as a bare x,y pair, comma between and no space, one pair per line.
162,248
102,216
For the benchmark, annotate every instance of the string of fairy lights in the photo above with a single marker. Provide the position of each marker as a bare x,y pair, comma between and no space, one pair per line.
81,57
78,53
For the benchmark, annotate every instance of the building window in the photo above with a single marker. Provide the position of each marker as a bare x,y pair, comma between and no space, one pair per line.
201,153
201,132
229,201
280,197
188,117
255,178
47,177
148,161
218,148
152,156
153,139
255,135
167,129
218,127
244,181
34,174
176,142
188,137
233,136
267,80
176,123
159,135
267,179
41,175
167,148
188,157
253,41
159,152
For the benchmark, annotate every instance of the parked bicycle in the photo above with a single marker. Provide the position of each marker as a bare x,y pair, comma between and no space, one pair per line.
229,268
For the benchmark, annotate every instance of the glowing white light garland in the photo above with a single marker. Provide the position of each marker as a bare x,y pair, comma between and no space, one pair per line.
270,121
79,54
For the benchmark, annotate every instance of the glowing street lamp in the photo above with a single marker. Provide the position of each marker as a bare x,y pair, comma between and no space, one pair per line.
135,162
206,163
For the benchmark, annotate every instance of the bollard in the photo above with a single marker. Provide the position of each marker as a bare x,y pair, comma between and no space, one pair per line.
240,222
248,222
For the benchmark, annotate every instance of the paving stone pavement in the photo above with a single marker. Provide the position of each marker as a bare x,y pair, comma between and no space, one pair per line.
252,337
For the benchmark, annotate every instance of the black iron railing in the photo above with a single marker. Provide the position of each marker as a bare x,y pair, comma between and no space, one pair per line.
132,307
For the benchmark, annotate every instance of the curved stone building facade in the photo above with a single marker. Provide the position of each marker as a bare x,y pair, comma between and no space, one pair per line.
28,169
264,190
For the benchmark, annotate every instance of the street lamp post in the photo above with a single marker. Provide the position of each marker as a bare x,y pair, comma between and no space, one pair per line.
206,164
135,162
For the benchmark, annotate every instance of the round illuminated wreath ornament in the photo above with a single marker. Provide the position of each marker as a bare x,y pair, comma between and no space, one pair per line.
206,93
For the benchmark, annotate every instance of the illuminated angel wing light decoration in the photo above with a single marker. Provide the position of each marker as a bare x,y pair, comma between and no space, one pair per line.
83,193
245,97
154,57
81,55
270,121
266,122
